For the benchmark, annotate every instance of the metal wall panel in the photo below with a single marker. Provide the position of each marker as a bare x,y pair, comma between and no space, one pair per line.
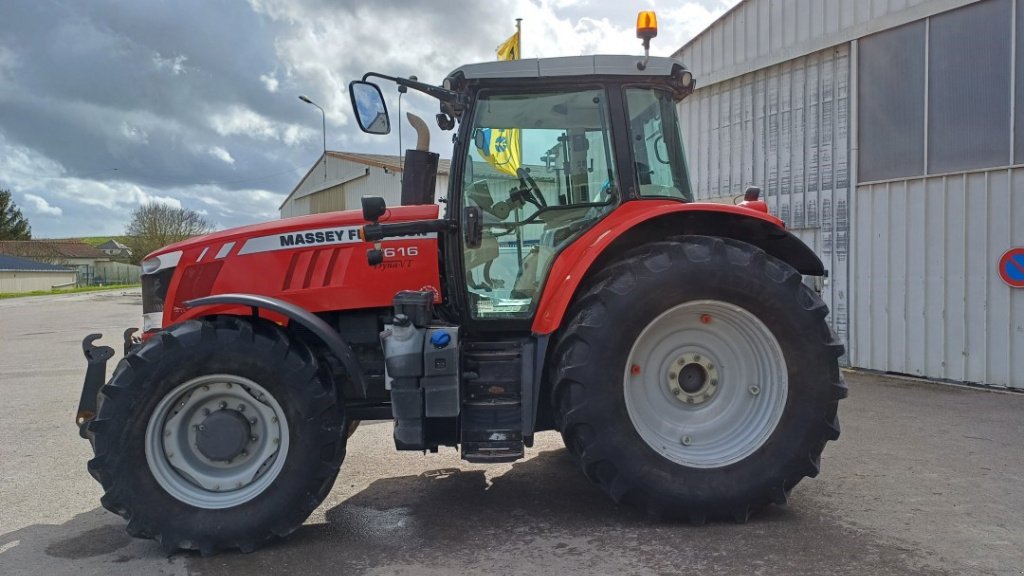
786,129
929,301
756,34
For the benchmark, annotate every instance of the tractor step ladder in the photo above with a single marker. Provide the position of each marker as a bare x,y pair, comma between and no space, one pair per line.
492,409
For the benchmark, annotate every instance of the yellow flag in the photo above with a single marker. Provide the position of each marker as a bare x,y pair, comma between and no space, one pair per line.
509,49
501,148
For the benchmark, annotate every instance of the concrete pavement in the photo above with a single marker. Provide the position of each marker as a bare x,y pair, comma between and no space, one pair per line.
926,479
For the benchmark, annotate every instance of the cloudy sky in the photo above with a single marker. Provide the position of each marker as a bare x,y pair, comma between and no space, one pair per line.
109,104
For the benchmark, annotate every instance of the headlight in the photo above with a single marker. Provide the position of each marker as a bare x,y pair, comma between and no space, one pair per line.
156,263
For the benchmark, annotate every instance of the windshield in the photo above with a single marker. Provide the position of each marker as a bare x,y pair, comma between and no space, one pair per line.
657,147
541,171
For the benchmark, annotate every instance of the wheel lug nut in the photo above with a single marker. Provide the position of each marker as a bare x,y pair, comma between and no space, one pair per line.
241,407
244,453
206,388
754,390
274,419
686,440
223,405
206,411
253,438
277,440
167,432
252,421
201,427
673,375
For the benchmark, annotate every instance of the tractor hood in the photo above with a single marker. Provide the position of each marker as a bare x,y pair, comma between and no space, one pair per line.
289,227
317,262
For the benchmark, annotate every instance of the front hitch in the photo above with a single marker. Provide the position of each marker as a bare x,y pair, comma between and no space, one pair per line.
95,374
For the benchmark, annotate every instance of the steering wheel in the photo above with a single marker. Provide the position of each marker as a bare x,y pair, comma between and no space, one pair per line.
526,180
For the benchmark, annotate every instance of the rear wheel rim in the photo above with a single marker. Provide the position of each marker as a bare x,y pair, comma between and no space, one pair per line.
205,472
706,384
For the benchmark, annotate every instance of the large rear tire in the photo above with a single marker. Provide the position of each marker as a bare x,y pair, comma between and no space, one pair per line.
697,378
217,434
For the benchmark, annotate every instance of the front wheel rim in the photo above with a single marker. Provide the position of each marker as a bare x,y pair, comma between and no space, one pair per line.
706,384
207,473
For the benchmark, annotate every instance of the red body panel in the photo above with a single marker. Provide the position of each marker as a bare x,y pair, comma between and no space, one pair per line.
316,262
570,266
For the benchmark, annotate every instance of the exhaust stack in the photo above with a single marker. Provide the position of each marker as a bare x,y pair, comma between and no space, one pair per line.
420,170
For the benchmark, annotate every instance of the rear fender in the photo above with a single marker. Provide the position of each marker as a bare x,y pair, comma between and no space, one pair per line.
258,304
636,223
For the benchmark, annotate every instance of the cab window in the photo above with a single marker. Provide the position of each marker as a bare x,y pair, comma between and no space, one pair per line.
657,146
541,171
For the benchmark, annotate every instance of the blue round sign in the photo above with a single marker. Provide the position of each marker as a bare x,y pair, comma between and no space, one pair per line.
1011,267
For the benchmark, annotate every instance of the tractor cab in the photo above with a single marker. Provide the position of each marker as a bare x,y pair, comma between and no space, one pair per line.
545,148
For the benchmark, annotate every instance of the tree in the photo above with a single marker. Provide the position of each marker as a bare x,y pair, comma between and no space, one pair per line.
13,225
154,226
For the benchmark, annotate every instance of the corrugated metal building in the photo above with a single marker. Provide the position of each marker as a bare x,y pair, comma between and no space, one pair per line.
889,134
338,181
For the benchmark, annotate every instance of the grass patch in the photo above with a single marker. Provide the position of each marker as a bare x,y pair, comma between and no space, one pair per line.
5,295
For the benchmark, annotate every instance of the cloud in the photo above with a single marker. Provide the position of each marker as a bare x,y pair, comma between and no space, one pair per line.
270,82
238,121
195,102
221,154
39,205
175,65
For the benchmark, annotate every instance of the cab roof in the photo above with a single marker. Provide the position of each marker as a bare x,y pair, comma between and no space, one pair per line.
598,65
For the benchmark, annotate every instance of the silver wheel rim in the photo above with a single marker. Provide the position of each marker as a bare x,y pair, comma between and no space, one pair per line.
706,384
186,472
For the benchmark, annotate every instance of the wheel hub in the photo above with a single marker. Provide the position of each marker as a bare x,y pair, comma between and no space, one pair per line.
692,378
216,441
705,383
223,435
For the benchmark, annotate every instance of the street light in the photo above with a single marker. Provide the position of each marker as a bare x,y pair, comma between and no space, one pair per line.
323,119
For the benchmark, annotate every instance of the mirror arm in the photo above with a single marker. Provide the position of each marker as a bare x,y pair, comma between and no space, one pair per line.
429,89
377,232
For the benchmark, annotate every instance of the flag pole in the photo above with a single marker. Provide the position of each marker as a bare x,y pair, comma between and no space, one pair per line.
519,36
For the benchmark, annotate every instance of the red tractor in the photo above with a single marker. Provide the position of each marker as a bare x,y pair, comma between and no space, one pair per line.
572,284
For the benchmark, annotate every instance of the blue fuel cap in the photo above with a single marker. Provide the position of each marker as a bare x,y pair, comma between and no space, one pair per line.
440,339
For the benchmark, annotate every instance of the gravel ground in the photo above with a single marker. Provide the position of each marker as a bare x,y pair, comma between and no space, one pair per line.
926,479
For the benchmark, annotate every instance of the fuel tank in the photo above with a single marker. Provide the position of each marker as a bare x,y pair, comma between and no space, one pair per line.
317,262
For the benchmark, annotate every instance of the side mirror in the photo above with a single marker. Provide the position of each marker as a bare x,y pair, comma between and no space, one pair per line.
373,208
368,104
473,226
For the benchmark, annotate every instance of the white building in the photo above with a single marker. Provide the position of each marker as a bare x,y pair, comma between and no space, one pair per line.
20,275
347,178
890,136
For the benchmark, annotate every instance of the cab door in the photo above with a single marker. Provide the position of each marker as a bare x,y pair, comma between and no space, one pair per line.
538,170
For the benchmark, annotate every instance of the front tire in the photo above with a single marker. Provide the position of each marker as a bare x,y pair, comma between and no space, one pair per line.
217,434
697,378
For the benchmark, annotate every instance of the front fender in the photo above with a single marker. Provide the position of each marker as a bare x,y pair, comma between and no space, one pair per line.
653,220
338,347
